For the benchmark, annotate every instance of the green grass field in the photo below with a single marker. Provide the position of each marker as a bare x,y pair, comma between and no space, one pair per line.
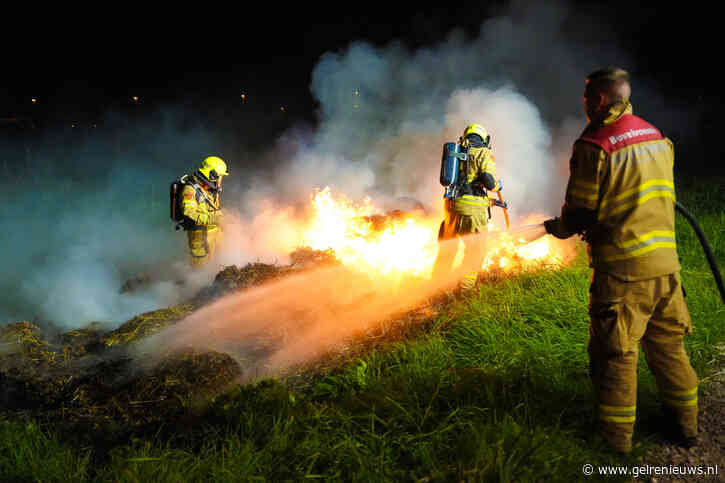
496,388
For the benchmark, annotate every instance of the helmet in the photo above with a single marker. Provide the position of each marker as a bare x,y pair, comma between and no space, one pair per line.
211,171
476,135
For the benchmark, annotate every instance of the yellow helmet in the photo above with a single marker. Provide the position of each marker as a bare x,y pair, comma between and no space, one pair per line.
476,135
212,169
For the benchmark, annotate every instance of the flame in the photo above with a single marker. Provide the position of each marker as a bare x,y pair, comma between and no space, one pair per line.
373,244
400,244
508,254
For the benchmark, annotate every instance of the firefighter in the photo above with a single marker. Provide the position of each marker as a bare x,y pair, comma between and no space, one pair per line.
201,208
620,197
468,213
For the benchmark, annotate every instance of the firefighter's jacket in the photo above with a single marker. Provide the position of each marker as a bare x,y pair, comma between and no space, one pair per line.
621,193
475,202
199,206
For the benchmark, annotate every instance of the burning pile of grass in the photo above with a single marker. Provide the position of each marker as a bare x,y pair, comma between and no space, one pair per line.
24,340
118,392
233,278
81,379
89,376
146,324
24,359
305,257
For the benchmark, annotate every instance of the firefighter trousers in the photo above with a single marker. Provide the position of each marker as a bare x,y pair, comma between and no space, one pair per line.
461,225
202,244
651,313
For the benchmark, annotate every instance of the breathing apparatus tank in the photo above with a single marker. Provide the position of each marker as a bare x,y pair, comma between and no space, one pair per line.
451,169
177,213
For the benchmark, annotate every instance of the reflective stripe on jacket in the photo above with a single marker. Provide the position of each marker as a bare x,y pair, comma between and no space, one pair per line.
480,161
622,170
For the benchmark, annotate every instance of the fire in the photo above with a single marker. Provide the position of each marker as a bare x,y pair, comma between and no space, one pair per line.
383,245
508,254
400,244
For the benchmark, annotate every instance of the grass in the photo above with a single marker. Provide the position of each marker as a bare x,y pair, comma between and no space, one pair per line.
28,453
496,388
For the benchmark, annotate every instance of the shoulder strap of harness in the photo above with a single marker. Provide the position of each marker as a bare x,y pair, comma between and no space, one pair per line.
199,191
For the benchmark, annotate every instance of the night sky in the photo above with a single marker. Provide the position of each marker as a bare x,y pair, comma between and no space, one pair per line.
79,64
214,55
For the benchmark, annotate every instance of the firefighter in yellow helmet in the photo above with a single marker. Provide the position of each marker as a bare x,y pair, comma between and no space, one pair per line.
201,208
620,196
468,213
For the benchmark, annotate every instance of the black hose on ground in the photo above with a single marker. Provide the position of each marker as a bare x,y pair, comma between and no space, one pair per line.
705,247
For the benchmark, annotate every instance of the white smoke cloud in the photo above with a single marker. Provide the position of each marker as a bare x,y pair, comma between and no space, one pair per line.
81,221
522,144
385,112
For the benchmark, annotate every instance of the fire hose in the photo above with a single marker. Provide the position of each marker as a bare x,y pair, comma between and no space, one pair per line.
705,248
501,204
533,232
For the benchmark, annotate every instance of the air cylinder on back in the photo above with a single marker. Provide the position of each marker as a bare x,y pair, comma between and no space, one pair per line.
450,161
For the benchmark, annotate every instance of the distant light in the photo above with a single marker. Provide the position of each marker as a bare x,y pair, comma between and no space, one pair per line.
72,125
34,100
135,99
282,108
244,97
356,93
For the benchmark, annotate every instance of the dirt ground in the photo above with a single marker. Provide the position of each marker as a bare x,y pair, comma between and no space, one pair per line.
710,450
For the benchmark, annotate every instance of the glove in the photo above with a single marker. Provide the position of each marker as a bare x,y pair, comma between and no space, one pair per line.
553,227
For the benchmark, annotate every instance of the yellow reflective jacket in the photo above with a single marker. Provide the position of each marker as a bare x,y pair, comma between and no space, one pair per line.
199,205
621,174
480,161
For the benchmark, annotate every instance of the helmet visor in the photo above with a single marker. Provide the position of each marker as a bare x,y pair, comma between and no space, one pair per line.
475,140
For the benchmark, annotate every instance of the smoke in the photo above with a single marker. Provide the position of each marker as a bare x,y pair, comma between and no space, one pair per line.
95,219
386,111
527,166
271,328
82,219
